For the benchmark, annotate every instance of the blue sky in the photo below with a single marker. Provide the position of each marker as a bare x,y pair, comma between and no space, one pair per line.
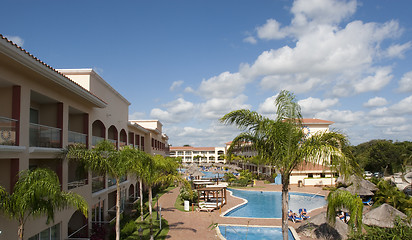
189,62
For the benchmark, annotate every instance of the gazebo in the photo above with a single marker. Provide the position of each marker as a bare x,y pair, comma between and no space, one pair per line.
212,196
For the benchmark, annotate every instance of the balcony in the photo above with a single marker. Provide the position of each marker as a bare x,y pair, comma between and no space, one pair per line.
97,183
75,137
96,140
8,131
44,136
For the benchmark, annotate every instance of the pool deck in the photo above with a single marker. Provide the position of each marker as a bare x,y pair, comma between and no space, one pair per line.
195,225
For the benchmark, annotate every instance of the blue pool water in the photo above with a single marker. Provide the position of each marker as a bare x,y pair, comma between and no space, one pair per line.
269,204
252,233
211,175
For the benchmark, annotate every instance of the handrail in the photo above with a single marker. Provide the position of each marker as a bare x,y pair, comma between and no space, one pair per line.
77,133
39,125
9,119
78,230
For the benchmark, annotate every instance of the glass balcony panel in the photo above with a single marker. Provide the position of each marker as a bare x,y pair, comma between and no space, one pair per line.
97,183
111,182
75,137
44,136
8,131
96,140
114,142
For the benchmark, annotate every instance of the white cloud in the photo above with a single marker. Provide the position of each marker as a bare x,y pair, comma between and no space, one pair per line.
137,116
374,83
388,121
175,85
376,102
341,116
405,84
16,39
398,50
268,106
250,39
322,11
189,90
403,107
383,111
270,30
311,105
224,85
216,108
176,111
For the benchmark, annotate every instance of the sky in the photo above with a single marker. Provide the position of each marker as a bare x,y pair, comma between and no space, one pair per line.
189,62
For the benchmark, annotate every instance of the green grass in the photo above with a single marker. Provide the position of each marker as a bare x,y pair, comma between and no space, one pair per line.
179,205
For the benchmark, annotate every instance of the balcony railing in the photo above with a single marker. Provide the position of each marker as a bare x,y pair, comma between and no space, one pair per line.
96,140
44,136
75,137
8,131
114,142
77,183
97,183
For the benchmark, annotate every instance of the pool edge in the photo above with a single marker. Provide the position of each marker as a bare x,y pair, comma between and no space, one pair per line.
219,234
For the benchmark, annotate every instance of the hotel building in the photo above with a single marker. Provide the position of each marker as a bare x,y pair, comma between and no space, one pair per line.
305,174
42,111
199,154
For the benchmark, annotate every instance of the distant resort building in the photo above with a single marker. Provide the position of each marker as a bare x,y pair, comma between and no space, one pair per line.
199,155
43,111
305,174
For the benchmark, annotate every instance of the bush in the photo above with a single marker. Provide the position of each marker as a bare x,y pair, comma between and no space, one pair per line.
186,193
128,229
401,230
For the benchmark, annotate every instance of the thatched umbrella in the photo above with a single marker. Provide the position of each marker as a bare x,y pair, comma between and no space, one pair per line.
382,216
234,167
359,190
317,227
354,179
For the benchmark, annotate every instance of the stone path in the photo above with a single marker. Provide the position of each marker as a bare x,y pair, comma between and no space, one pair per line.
196,225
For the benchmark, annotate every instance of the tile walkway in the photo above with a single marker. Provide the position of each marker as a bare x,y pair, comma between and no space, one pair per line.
196,225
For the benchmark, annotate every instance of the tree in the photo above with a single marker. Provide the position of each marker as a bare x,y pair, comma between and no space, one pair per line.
283,143
37,193
159,169
339,199
142,159
105,159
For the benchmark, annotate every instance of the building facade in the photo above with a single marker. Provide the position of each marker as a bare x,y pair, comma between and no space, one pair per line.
304,174
199,155
43,111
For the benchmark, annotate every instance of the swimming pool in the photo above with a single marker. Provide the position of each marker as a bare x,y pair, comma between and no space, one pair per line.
231,232
269,204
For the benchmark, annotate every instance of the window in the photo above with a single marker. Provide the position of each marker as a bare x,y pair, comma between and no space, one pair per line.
52,233
322,175
310,175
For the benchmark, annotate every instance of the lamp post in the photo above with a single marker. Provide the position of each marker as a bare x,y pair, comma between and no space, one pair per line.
157,208
140,230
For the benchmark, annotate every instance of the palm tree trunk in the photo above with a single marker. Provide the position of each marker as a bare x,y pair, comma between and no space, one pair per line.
118,209
285,206
20,230
150,201
141,198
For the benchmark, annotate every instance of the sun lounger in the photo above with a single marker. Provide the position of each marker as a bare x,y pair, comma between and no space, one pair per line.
205,208
368,202
293,217
302,213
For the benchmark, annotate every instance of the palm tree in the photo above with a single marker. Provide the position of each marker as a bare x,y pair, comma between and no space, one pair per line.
283,143
339,199
37,193
105,159
141,161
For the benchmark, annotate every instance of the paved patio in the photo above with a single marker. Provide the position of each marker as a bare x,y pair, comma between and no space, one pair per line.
196,225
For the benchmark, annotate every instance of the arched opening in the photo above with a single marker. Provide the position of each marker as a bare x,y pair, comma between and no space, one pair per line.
78,226
98,132
123,138
112,135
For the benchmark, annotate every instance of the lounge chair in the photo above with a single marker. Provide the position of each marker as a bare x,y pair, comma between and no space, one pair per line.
294,217
302,213
205,208
368,202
